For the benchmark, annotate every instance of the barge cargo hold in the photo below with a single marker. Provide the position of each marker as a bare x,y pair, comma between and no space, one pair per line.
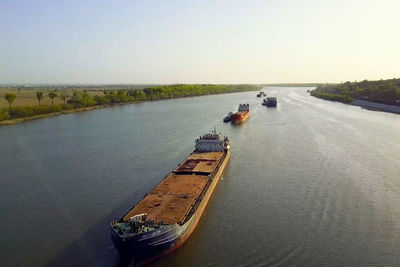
166,216
241,115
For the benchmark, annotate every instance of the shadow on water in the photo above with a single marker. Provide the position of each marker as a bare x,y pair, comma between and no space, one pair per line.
95,247
238,124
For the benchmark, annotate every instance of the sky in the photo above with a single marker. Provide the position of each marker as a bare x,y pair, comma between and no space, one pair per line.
145,41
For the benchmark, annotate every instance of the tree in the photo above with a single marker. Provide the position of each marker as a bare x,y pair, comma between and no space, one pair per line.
122,96
85,97
52,95
112,96
80,99
10,98
39,95
64,96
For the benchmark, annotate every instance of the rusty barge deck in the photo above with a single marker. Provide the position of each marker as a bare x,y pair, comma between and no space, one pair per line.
172,200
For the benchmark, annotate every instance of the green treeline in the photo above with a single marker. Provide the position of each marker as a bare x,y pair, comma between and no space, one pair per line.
382,91
183,90
332,97
81,99
22,112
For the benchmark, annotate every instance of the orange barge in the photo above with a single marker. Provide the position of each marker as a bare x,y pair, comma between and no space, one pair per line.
241,115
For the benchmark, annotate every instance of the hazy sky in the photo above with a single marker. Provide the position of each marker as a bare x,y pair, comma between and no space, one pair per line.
65,41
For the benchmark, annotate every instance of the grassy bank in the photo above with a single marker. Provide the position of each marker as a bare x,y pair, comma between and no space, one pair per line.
81,100
40,116
382,91
332,97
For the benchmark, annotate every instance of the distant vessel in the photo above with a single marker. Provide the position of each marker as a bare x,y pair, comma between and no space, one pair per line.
166,216
270,102
241,115
228,117
261,93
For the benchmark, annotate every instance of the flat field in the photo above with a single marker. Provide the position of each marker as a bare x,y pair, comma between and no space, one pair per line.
28,97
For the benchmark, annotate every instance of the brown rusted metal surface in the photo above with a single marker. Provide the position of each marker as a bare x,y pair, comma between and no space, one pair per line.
201,162
239,116
172,199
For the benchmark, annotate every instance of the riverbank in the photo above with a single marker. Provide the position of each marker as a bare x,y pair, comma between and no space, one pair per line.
365,104
332,97
381,95
41,116
376,106
82,100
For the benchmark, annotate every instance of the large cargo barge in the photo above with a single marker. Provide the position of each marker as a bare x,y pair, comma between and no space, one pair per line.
166,216
241,115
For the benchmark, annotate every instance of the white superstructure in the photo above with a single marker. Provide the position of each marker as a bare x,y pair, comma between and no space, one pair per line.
244,107
212,142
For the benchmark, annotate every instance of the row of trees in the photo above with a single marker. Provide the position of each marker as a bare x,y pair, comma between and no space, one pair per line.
9,97
64,95
382,91
80,99
184,90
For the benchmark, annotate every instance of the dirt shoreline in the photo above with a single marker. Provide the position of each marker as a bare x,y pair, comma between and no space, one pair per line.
376,106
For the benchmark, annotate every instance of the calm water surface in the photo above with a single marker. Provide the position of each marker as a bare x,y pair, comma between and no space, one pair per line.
310,183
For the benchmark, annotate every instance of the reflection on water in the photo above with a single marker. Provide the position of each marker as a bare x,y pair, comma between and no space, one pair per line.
310,182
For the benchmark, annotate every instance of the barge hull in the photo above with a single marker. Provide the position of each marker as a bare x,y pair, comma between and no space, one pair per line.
193,222
240,117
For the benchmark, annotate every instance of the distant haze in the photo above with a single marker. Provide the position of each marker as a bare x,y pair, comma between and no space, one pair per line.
198,41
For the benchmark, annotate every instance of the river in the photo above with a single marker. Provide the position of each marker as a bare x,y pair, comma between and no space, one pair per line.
310,183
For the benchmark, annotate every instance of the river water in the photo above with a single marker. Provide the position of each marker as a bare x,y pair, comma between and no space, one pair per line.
310,183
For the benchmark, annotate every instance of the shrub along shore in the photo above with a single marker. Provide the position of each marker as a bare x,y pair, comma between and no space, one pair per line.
81,100
332,97
382,91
